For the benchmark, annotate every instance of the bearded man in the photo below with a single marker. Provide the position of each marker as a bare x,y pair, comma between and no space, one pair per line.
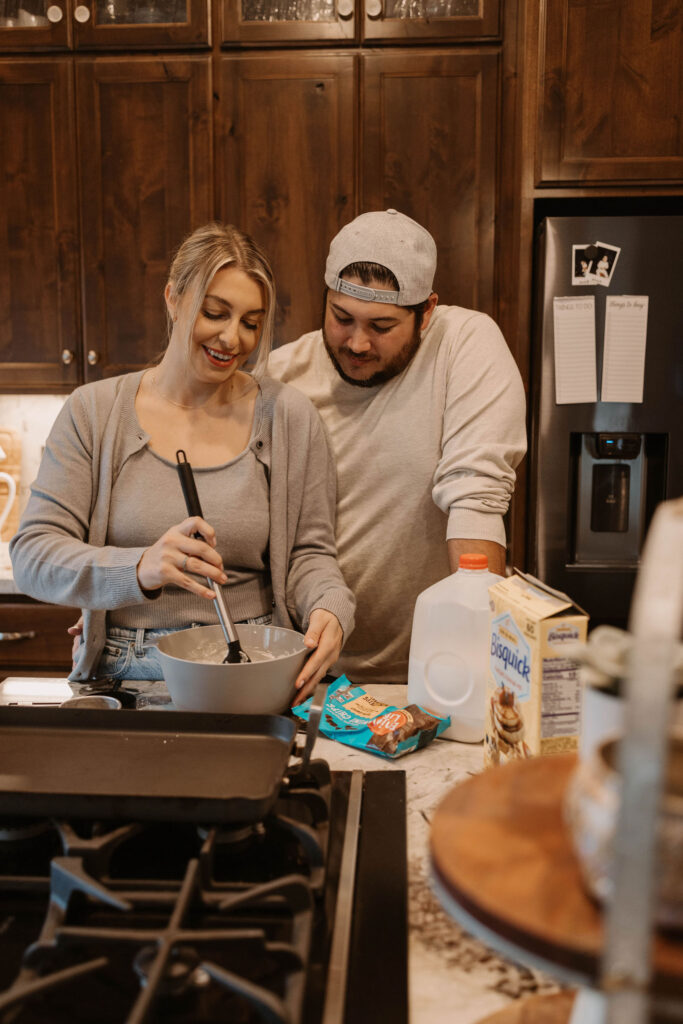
425,412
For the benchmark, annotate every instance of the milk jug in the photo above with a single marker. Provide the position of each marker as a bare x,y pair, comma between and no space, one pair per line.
449,648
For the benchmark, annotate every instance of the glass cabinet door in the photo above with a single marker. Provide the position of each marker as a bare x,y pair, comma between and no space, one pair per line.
403,20
140,23
106,24
34,24
282,21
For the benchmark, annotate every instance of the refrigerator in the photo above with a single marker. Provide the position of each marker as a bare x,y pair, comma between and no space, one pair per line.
606,402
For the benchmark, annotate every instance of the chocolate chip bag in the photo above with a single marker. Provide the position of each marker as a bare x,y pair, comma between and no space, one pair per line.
354,717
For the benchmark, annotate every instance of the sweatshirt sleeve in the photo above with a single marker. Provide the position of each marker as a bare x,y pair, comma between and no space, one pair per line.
484,431
52,559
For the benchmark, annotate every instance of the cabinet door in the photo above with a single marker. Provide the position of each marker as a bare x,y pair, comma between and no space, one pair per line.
402,21
258,22
612,92
133,24
34,635
145,172
286,147
429,150
34,25
39,325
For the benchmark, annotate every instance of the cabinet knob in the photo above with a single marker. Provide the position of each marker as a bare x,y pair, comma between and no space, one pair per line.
82,14
67,356
54,14
93,357
17,636
373,8
344,8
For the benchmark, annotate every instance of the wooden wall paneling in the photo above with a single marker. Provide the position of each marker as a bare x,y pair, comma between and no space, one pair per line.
286,149
144,126
38,225
429,150
612,91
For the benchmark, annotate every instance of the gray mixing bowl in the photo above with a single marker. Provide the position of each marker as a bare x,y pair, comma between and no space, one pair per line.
262,687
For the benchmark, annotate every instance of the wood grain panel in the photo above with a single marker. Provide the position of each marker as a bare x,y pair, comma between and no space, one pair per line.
51,645
286,145
611,99
38,225
144,131
429,150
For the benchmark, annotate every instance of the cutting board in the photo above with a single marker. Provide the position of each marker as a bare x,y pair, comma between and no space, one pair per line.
10,442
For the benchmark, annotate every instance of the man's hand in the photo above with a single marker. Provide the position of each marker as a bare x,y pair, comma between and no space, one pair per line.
325,636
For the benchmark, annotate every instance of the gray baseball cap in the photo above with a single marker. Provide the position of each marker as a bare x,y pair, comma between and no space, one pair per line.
394,241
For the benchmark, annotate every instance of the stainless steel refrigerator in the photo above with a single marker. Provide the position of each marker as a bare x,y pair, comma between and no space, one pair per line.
599,468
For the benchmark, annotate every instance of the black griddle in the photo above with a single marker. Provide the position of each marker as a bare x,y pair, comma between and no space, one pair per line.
152,765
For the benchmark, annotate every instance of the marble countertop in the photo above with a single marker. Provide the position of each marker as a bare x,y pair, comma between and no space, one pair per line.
454,977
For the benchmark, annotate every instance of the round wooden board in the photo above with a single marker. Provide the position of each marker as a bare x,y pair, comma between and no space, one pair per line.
500,849
555,1009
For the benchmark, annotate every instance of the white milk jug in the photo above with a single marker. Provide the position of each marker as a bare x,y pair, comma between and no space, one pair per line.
449,648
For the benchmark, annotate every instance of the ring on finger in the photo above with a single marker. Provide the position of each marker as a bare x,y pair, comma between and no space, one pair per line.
184,563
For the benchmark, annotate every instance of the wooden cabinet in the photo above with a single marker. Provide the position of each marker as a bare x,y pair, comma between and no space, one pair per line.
33,636
39,291
286,163
102,24
610,104
278,22
405,21
146,181
288,157
429,149
130,157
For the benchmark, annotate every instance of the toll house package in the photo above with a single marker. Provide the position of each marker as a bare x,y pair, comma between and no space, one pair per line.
533,700
354,717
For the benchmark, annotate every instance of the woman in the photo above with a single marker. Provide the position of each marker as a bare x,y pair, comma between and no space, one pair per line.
106,527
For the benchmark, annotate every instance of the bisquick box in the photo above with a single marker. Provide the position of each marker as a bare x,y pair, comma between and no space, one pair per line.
533,700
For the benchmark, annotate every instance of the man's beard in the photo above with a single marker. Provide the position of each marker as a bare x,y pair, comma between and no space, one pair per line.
393,367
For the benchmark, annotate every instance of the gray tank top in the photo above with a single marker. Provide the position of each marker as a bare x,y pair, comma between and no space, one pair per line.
147,499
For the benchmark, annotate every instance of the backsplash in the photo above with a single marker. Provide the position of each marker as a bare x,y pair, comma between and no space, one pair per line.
31,416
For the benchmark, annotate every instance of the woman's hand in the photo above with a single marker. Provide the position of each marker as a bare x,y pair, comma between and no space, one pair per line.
325,636
76,631
178,558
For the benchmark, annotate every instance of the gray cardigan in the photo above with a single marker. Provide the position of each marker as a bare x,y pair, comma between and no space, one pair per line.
59,553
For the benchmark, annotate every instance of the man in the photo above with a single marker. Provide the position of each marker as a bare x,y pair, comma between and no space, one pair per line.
425,410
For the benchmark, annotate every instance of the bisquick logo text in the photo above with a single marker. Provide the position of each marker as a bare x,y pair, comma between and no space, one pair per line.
510,658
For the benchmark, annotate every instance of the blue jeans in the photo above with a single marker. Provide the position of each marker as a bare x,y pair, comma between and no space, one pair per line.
132,653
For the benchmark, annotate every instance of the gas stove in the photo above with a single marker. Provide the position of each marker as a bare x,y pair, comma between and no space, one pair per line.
294,918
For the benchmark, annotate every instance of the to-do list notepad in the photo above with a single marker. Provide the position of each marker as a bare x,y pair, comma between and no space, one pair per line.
623,363
575,376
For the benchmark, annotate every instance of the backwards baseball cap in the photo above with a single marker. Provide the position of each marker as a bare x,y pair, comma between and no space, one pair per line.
394,241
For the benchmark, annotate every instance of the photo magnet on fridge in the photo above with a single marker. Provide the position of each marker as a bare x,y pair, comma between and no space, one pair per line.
605,262
584,258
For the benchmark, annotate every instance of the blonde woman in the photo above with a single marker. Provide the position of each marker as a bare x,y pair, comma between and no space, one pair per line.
106,528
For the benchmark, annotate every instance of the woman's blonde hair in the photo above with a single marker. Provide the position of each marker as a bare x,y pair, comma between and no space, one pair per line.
198,259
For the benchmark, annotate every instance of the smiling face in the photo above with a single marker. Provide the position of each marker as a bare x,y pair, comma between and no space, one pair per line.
371,342
227,327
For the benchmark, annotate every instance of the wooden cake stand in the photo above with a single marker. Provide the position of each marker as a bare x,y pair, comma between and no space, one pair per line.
504,867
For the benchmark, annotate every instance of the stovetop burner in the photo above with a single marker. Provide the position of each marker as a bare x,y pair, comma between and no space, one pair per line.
156,922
